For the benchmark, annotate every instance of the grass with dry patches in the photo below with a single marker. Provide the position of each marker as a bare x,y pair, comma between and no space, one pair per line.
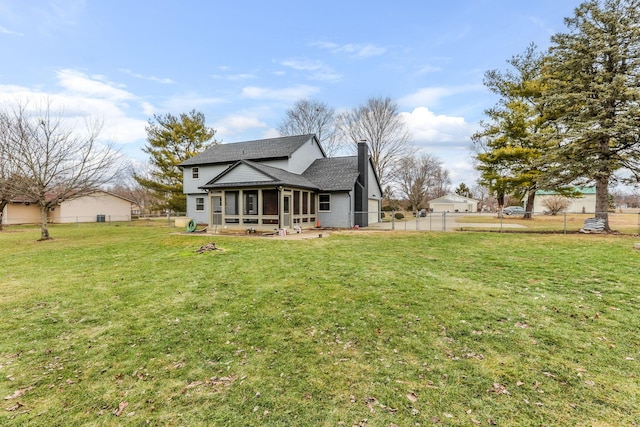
627,223
111,325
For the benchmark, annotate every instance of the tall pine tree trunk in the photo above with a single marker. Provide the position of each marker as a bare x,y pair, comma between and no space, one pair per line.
602,201
531,195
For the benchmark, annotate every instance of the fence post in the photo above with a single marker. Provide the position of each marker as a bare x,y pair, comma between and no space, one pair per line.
565,223
417,219
444,221
393,219
430,217
168,219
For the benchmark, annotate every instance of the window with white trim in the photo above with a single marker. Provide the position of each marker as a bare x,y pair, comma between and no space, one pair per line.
199,203
195,173
324,202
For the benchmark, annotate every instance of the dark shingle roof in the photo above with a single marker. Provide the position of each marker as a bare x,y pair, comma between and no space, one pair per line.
333,173
278,177
262,149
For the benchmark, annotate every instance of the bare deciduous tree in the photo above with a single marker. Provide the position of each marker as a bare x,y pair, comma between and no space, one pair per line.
129,188
420,177
311,116
555,204
52,160
7,169
378,122
441,184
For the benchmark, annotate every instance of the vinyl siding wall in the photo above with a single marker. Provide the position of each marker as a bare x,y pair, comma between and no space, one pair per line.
341,215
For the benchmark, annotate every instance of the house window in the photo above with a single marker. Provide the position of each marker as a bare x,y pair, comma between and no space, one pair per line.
269,202
296,202
250,202
199,203
305,203
195,173
324,202
231,203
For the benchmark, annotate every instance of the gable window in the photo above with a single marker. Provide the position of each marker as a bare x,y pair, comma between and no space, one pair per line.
199,203
324,202
195,173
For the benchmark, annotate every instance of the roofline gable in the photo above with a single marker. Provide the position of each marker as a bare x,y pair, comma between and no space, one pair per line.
258,150
231,168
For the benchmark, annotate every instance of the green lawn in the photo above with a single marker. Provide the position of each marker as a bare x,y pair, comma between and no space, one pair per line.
128,325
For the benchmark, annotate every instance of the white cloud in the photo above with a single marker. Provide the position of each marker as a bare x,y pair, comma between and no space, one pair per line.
80,84
317,69
357,50
4,30
81,98
238,123
303,64
234,77
290,94
429,128
271,133
161,80
446,137
429,69
431,96
189,101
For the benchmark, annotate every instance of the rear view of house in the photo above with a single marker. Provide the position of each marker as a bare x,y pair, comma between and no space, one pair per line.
283,182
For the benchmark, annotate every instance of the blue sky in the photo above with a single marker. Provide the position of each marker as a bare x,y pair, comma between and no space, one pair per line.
244,63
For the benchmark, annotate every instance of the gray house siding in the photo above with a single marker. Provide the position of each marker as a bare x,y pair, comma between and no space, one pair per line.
201,217
304,156
205,173
341,214
243,173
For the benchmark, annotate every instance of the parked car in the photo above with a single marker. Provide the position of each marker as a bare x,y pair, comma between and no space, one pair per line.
513,210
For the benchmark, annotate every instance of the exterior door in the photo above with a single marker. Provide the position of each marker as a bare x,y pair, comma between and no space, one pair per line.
286,212
216,210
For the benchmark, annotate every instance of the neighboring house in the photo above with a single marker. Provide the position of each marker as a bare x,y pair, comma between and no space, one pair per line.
98,206
283,182
584,203
453,203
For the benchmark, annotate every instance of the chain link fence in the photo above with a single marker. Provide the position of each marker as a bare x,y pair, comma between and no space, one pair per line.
626,221
623,221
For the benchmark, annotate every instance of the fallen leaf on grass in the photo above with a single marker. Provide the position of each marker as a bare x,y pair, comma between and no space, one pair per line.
18,393
15,407
121,408
412,396
590,383
498,389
